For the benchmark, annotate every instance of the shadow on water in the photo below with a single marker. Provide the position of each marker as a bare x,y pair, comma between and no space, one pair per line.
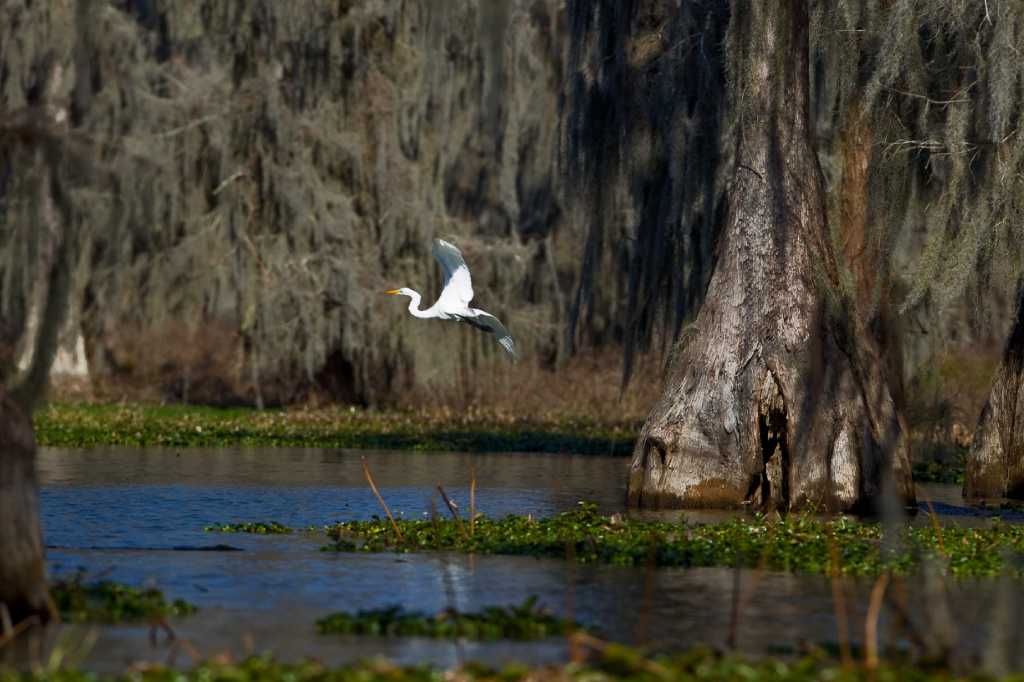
119,514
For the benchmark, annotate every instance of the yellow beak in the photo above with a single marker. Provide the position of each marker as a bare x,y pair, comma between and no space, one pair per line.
391,291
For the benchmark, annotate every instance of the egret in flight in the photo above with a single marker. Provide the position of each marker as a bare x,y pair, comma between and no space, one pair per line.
453,303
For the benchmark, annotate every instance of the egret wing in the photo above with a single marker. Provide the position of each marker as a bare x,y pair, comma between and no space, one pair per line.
458,286
489,323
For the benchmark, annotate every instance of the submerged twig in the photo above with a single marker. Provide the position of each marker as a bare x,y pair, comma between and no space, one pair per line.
373,487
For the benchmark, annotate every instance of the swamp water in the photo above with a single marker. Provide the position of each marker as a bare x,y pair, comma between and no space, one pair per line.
137,516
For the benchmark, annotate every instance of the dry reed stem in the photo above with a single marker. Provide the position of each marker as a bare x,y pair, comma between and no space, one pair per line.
585,639
934,518
190,649
453,509
741,601
871,622
9,631
161,624
839,601
472,497
51,607
373,487
734,612
648,596
575,651
899,604
6,626
433,517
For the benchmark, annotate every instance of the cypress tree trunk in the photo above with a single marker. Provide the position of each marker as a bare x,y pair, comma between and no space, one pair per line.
995,464
777,396
862,248
23,591
22,577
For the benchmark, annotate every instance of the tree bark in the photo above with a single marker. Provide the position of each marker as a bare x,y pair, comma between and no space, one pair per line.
23,590
862,246
777,396
995,463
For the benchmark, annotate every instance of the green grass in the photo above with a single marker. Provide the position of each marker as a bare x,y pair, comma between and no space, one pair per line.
794,543
110,602
81,425
86,425
614,664
524,622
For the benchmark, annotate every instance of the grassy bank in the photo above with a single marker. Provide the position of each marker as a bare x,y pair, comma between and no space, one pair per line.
84,425
612,663
794,543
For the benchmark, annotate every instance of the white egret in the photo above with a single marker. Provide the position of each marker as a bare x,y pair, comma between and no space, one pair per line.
453,303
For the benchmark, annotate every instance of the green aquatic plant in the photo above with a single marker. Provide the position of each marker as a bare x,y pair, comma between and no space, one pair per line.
612,663
798,543
109,602
951,473
523,622
257,527
84,425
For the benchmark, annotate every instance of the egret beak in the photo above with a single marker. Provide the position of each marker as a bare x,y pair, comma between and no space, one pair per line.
391,291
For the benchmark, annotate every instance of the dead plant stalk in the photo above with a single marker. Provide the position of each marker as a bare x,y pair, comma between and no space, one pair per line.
472,498
839,600
871,622
383,504
454,511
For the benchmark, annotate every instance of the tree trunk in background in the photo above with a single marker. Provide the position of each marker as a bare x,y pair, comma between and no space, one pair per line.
995,464
777,397
862,246
22,577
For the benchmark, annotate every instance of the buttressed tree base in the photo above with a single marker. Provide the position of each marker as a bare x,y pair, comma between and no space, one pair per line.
995,464
23,590
777,397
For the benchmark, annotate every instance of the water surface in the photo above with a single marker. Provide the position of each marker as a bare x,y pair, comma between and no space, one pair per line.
137,516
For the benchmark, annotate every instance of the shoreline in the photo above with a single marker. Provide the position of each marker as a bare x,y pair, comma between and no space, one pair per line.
87,425
82,425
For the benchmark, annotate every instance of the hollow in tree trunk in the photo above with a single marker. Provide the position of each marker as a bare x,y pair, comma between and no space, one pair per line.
777,396
995,464
23,590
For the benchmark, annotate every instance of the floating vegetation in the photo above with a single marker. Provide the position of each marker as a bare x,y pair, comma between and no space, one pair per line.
109,602
84,425
613,663
258,528
951,473
524,622
793,543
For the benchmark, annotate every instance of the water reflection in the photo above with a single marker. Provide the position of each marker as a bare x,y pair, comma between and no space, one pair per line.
120,513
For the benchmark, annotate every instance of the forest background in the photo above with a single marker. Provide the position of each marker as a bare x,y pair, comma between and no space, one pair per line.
244,179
